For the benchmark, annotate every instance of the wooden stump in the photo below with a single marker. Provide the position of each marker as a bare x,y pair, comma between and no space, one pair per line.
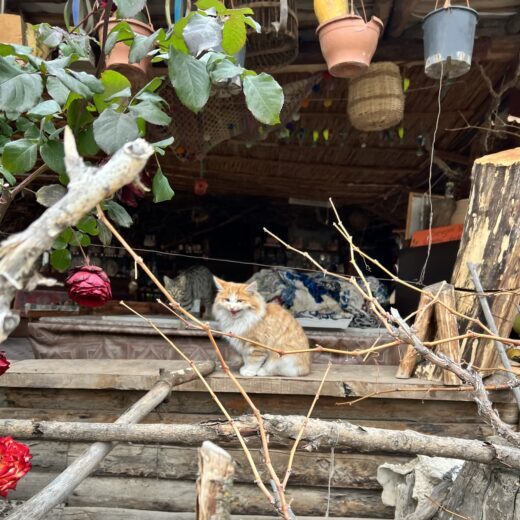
215,483
482,492
491,240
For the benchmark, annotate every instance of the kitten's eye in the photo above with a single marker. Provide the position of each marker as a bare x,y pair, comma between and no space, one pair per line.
226,299
240,301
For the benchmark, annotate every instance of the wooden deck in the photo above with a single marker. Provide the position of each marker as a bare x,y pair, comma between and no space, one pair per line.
344,381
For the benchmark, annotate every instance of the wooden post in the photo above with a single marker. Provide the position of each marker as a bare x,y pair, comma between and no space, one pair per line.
63,485
491,239
422,328
215,483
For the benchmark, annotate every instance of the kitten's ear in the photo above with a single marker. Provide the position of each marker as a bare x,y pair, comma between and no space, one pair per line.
252,287
219,284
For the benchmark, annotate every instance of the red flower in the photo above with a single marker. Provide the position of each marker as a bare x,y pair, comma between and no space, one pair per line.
89,286
4,363
14,463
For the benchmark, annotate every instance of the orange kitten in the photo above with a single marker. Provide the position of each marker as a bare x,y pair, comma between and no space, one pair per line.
240,309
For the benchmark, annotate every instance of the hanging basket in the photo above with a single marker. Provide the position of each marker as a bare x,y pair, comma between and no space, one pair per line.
348,43
449,33
221,119
277,44
376,98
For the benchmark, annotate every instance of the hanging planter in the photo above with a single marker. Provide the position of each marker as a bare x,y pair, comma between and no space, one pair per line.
376,98
119,57
449,33
349,42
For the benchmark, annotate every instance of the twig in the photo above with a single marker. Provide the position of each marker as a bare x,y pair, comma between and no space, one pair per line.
288,471
440,506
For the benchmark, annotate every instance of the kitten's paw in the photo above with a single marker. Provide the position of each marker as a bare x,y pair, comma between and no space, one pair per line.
263,372
247,371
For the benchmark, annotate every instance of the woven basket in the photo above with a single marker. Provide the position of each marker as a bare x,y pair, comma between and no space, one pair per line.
376,98
277,44
221,119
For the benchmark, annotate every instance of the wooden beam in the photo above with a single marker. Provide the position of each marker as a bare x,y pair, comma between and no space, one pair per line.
401,13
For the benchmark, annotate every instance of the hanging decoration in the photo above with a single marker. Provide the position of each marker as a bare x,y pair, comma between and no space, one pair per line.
449,34
348,41
200,186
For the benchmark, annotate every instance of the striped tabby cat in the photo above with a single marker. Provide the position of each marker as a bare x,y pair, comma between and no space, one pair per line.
240,309
195,283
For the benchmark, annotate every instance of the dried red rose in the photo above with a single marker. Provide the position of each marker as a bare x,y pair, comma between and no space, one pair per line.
4,363
89,286
14,463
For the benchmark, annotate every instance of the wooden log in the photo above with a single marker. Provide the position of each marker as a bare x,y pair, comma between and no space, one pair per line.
179,496
318,435
447,328
482,492
215,483
60,488
110,513
422,326
350,470
491,239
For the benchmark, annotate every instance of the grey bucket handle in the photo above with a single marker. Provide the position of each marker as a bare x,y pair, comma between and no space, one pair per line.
447,4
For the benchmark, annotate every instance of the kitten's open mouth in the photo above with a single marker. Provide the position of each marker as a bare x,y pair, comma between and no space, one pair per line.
234,313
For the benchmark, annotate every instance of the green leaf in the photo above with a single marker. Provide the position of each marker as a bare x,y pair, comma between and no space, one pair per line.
50,194
253,24
94,84
159,146
20,156
121,32
87,145
77,116
161,188
151,113
61,259
141,46
113,83
239,11
52,153
59,244
208,4
151,86
264,98
32,133
113,129
88,225
117,213
45,108
225,70
7,175
5,129
105,235
234,34
49,36
79,86
3,141
10,49
19,89
66,235
129,8
85,240
190,79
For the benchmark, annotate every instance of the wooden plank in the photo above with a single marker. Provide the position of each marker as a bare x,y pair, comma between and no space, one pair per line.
350,470
109,513
97,374
421,325
447,327
178,495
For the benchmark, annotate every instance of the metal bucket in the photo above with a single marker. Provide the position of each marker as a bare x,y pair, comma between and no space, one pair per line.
449,34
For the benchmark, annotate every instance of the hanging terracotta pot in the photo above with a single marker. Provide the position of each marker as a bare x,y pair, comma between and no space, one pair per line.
348,44
118,58
449,33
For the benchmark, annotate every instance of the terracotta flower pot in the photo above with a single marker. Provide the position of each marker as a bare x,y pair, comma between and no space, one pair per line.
348,44
118,58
